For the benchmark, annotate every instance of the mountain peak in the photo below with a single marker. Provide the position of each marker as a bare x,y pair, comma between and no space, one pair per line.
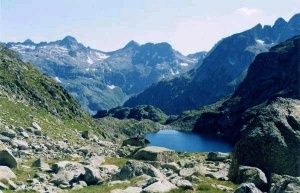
295,20
28,42
279,22
69,40
132,44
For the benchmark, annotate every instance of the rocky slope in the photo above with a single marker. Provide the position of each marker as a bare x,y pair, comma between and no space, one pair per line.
222,70
60,149
102,80
263,115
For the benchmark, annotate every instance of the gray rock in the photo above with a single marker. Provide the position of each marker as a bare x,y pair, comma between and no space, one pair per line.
7,159
93,176
247,188
185,172
21,144
285,184
24,134
184,184
136,141
41,164
173,166
9,133
12,185
5,139
42,177
153,153
67,173
3,186
217,156
96,160
135,168
36,126
160,186
6,173
109,169
253,175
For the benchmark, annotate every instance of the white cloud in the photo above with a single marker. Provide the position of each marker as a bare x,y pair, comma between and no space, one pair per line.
246,11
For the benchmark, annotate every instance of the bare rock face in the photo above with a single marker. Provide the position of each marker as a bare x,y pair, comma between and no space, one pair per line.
6,173
285,184
153,153
262,117
271,140
7,159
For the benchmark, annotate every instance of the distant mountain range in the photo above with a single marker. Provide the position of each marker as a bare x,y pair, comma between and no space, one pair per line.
224,67
102,80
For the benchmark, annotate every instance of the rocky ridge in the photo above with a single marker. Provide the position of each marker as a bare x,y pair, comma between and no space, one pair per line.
224,67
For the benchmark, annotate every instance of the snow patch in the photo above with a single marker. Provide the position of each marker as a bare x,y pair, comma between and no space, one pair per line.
101,56
260,41
184,64
111,87
174,73
89,60
57,79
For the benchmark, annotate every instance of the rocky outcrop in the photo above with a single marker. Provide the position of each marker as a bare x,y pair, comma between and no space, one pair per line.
138,113
224,67
136,141
247,188
135,168
217,156
8,159
271,139
253,175
262,117
153,153
285,184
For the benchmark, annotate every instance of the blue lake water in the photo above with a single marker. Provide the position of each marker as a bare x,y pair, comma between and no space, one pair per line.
187,141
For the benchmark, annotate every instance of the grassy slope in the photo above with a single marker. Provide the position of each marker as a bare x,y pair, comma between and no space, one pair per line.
26,95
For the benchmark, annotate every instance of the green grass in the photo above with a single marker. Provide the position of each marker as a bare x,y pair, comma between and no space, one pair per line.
21,191
106,188
115,161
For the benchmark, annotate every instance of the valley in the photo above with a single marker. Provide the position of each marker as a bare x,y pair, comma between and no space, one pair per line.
146,118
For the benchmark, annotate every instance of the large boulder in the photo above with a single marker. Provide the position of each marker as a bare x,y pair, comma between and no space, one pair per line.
217,156
160,186
153,153
9,133
135,168
6,173
253,175
92,175
7,159
67,172
136,141
247,188
285,184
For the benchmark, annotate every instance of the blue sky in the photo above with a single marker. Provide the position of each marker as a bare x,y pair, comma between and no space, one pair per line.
188,25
